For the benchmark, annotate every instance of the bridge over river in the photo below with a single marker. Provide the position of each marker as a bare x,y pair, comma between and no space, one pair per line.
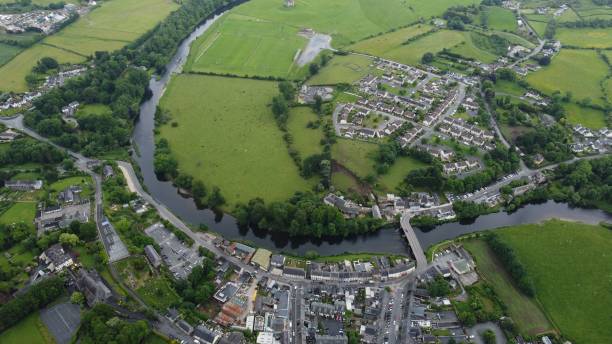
415,245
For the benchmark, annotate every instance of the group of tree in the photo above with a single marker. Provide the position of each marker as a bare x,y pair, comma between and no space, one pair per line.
584,183
198,288
30,151
35,298
102,324
458,16
552,142
511,263
590,23
304,214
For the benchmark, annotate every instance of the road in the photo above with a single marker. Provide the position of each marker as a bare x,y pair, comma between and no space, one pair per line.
415,245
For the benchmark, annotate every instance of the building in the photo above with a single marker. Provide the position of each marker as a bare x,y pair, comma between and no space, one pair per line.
90,283
348,208
205,335
61,217
261,259
8,136
153,256
71,194
107,171
23,185
294,272
277,260
56,258
226,292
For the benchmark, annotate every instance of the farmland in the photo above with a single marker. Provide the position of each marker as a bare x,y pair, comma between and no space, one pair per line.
524,311
19,212
501,19
587,71
380,45
587,117
343,69
7,52
394,177
567,264
234,145
355,155
111,26
305,140
585,38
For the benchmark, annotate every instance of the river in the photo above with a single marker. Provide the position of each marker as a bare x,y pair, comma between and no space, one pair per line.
384,241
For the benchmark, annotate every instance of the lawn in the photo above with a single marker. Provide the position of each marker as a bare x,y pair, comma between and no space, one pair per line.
504,87
343,69
246,46
158,293
577,71
379,45
398,171
226,136
585,38
355,155
588,117
525,312
306,140
344,182
19,212
83,181
95,109
570,266
7,52
13,73
501,19
30,330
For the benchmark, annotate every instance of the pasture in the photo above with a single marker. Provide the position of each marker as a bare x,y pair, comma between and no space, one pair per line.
7,52
570,265
379,45
246,46
525,312
397,172
576,71
226,136
343,69
19,212
306,140
588,117
585,38
501,19
355,156
473,46
13,73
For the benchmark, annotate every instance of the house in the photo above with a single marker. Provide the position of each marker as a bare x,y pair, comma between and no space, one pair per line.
205,335
23,185
183,325
61,217
70,109
8,136
538,159
56,258
91,285
347,207
261,259
226,292
277,260
153,256
294,272
107,171
71,194
330,339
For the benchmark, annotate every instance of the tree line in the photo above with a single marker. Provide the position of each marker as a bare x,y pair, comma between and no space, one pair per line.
513,266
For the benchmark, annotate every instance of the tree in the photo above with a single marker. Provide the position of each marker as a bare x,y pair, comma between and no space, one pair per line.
313,68
488,337
427,58
68,239
287,89
77,298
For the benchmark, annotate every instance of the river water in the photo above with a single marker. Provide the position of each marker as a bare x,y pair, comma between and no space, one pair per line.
384,241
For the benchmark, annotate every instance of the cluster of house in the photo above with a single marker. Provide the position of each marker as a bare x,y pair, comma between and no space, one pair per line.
591,141
178,257
346,206
463,166
68,113
71,207
205,333
416,203
23,100
308,94
467,134
45,21
351,119
443,154
409,136
23,185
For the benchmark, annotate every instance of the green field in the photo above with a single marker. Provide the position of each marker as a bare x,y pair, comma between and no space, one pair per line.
343,69
503,87
585,38
226,136
246,46
538,26
19,212
501,19
525,312
398,171
111,26
355,155
570,265
380,45
7,52
577,71
30,330
306,140
12,74
95,109
588,117
470,48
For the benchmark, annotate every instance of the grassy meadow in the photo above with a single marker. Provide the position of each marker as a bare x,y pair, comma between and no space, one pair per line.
111,26
226,136
380,45
470,48
501,19
355,155
397,172
343,69
587,70
19,212
588,117
306,140
7,52
30,330
570,266
585,38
